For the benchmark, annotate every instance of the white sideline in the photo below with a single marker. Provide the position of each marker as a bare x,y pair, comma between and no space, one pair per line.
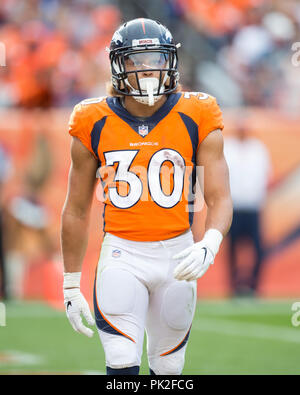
245,307
247,329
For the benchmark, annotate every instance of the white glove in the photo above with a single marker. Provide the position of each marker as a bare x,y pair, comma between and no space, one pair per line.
76,304
198,257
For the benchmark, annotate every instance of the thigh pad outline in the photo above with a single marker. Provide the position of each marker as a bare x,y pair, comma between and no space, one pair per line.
117,291
178,305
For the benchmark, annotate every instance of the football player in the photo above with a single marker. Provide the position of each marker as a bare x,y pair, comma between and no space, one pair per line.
144,141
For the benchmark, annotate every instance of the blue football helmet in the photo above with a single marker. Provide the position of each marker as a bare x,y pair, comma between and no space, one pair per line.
146,45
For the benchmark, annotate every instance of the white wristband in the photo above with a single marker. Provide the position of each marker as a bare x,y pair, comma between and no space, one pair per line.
213,238
72,280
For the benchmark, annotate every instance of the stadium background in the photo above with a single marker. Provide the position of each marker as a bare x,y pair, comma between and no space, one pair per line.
55,57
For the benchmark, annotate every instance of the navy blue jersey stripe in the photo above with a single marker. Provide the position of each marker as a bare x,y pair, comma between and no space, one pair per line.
96,133
103,215
192,129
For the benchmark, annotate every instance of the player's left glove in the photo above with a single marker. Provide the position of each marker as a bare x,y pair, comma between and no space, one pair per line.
198,257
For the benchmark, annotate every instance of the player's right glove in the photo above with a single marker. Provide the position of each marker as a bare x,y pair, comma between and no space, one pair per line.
76,305
196,260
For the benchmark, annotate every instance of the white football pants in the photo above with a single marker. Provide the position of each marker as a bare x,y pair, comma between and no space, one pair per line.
135,290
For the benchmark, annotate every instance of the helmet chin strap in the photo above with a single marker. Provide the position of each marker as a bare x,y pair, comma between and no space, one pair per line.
150,87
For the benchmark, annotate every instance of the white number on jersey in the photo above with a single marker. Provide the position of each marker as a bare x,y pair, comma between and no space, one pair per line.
187,95
125,159
93,100
154,169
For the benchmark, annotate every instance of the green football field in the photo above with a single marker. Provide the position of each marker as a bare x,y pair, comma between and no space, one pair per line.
228,337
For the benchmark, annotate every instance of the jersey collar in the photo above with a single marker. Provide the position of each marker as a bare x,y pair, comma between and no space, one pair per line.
150,122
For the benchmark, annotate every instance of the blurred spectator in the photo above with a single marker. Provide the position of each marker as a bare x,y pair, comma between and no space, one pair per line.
249,167
27,222
28,241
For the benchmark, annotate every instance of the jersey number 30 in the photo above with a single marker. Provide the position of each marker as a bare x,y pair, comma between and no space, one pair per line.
124,158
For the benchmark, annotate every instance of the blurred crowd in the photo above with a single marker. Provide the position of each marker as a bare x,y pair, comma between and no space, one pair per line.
251,44
238,50
55,51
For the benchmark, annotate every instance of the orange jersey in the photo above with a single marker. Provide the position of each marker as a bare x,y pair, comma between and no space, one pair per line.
147,167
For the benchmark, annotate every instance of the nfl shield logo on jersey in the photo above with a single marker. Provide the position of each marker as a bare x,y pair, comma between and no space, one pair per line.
143,130
116,253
